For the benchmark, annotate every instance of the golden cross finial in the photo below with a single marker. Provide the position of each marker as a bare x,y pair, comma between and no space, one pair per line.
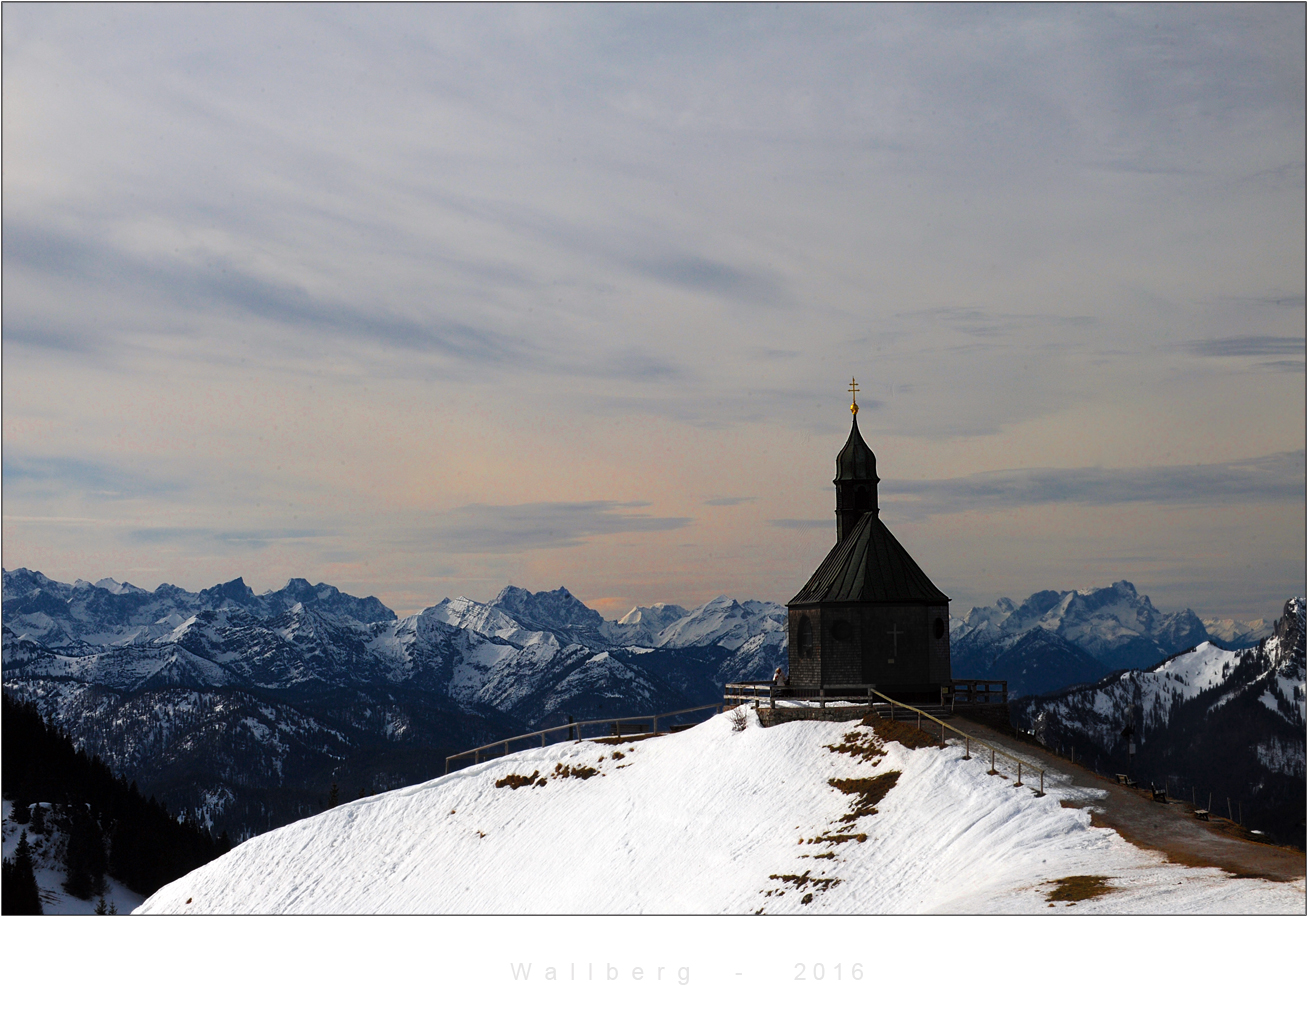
853,390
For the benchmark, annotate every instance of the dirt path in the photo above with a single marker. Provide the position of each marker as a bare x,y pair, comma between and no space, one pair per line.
1170,827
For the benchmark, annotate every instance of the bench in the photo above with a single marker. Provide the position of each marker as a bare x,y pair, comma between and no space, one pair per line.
1160,795
1201,813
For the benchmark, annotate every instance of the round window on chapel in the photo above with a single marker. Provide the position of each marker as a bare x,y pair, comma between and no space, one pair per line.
939,628
842,631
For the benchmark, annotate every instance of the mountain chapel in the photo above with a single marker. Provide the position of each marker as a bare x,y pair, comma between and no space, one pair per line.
869,615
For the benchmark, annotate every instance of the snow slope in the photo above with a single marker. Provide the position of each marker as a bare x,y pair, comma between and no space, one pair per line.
715,819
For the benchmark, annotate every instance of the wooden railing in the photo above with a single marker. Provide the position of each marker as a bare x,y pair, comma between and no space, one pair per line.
969,690
573,728
751,691
951,692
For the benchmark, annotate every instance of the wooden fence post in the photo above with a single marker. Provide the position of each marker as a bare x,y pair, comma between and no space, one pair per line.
1019,775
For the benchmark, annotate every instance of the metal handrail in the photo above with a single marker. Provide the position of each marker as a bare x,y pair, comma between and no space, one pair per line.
967,741
475,752
868,691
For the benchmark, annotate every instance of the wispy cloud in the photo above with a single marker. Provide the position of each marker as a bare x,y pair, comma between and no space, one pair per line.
541,525
800,525
1249,347
1266,479
218,282
734,500
708,276
32,477
250,538
980,323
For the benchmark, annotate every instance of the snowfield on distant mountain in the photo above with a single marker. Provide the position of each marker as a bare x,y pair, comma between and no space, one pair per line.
728,817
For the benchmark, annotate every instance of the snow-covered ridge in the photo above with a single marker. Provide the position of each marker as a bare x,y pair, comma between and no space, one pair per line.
1218,682
718,819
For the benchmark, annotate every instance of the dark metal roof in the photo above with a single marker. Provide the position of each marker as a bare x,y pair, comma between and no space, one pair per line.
869,566
856,461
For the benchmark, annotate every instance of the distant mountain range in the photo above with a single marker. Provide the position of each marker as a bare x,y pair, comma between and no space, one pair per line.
244,709
1209,721
1055,639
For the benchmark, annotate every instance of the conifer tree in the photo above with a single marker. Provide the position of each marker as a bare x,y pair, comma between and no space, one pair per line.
146,846
38,820
21,812
85,857
19,894
101,908
333,798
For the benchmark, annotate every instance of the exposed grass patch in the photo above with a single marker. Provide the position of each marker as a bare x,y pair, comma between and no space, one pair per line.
869,791
518,781
568,771
860,746
820,885
840,837
800,881
901,732
1078,887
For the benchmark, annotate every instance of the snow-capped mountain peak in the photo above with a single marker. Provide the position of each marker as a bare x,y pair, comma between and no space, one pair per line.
1101,629
559,610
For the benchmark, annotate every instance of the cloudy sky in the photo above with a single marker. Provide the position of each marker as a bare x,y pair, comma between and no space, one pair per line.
420,301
